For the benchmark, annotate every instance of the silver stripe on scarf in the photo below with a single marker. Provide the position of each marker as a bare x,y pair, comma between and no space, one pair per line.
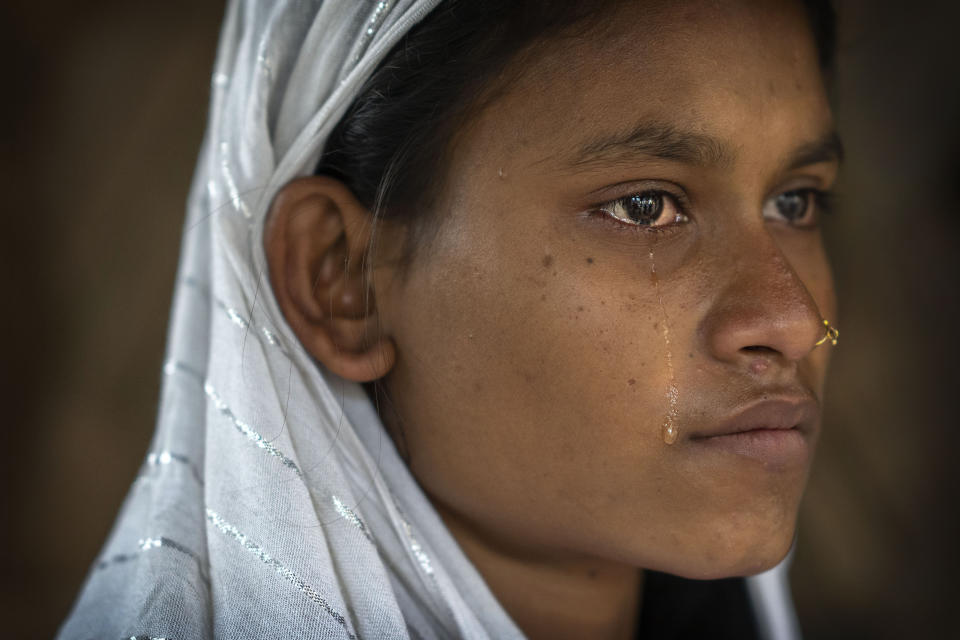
231,184
373,23
350,516
271,337
417,550
248,431
164,458
228,529
148,544
236,317
172,366
198,286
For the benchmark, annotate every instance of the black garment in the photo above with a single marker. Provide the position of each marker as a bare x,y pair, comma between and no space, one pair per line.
675,608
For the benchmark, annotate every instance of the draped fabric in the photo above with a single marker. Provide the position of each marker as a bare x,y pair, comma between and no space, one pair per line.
271,502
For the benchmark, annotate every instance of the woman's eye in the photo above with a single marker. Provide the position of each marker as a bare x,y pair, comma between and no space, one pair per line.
645,209
797,207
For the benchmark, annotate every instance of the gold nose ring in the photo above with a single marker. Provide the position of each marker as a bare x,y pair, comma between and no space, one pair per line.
831,334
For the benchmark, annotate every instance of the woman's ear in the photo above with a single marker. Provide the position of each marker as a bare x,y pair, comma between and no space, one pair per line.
316,239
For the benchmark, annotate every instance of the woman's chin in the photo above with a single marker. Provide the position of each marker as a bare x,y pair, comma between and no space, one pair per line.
729,563
741,567
752,550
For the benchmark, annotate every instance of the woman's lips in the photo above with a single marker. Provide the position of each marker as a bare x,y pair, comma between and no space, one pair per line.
775,447
773,431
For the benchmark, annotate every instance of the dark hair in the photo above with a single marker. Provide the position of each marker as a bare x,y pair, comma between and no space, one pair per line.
389,144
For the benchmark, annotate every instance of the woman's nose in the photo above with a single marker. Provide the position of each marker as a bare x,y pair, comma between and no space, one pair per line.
763,309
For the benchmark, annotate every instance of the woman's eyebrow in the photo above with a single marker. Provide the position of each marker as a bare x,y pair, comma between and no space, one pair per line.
828,148
655,139
666,142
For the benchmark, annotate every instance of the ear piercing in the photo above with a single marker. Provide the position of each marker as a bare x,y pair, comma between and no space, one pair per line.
832,335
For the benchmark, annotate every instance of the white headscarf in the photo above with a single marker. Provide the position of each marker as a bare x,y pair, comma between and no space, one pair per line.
272,503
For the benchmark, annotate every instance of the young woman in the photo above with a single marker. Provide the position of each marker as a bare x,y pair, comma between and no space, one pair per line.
494,319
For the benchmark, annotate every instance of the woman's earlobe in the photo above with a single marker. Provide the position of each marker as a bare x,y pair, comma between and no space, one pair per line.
315,239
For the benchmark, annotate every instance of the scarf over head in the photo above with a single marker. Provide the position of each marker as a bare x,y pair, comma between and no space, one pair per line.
272,502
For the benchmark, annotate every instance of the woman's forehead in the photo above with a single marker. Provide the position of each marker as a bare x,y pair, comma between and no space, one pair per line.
714,74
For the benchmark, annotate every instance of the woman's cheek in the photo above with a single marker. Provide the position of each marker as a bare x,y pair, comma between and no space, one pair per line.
586,345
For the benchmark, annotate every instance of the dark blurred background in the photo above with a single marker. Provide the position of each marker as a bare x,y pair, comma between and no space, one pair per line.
103,112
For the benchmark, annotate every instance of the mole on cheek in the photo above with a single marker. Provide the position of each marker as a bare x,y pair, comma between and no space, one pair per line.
589,260
547,260
759,366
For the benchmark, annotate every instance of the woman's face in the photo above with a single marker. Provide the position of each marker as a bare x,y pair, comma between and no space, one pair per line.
628,244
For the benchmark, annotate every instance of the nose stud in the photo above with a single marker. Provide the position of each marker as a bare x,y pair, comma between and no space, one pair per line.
831,334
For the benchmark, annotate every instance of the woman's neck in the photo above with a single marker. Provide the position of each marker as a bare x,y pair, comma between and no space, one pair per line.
556,598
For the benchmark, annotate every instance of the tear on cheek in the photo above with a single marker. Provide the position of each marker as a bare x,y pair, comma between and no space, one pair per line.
670,430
